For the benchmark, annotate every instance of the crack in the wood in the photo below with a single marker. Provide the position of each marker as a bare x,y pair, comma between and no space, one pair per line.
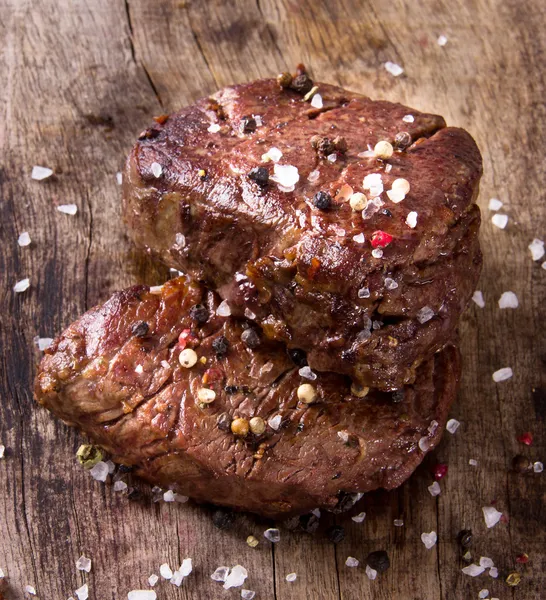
337,569
133,54
438,549
88,251
202,51
274,575
24,504
383,29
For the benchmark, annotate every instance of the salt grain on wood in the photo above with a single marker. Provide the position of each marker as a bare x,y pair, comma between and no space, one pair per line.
21,286
83,592
441,41
371,573
477,296
291,577
536,247
452,425
220,574
68,209
41,173
83,564
508,300
495,204
236,577
491,516
273,535
359,518
24,239
393,68
352,562
429,539
473,570
486,562
247,594
142,595
499,221
434,489
165,571
502,374
100,471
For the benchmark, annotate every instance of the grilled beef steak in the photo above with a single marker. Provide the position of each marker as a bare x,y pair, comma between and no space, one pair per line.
269,200
233,425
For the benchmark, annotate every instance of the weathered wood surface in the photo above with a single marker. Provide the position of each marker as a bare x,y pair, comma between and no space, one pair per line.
79,80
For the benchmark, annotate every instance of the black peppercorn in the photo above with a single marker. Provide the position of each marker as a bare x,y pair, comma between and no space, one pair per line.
402,140
386,212
465,538
140,329
220,346
398,396
340,144
322,200
231,389
378,560
224,422
199,313
222,519
336,534
521,464
247,125
309,523
259,175
250,338
301,83
134,494
298,357
125,468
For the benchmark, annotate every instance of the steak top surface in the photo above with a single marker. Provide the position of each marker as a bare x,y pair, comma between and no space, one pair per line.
116,374
369,285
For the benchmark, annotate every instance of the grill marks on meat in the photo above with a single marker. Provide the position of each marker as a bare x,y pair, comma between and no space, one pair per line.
151,418
302,269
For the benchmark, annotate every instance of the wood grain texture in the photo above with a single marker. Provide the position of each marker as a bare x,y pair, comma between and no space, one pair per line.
80,80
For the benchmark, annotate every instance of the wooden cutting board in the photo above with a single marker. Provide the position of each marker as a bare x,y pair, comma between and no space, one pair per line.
80,79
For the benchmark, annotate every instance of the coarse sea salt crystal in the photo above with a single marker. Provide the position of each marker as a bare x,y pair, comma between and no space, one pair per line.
398,523
477,296
408,118
43,343
536,247
483,593
249,314
473,462
177,578
165,571
142,595
111,466
377,252
83,564
390,284
363,292
275,422
186,567
165,364
434,489
273,154
332,157
538,467
119,177
24,240
139,369
359,239
247,594
286,176
316,101
2,450
491,516
396,195
291,577
359,518
273,535
424,444
40,173
2,574
442,40
499,221
486,562
473,570
502,374
157,169
371,573
425,314
168,496
68,209
306,373
21,286
313,176
393,68
493,572
82,592
411,219
372,180
180,240
495,204
452,425
213,128
100,471
343,436
429,539
153,579
30,589
220,574
236,577
223,309
508,300
181,499
120,486
388,168
352,561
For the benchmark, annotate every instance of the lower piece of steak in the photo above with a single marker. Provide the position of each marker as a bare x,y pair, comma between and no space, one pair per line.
116,374
369,285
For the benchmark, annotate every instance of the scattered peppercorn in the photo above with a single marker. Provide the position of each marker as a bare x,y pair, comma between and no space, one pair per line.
309,523
252,541
247,125
322,200
340,144
220,346
359,391
231,389
336,534
259,175
240,427
398,396
134,494
140,329
513,578
224,422
202,173
386,212
199,313
301,83
257,425
522,558
521,464
380,239
124,469
284,79
323,145
439,471
465,537
298,357
379,560
88,455
402,140
222,519
526,438
250,338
